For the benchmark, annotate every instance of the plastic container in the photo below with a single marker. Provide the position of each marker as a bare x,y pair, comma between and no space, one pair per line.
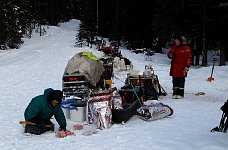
66,111
77,114
65,105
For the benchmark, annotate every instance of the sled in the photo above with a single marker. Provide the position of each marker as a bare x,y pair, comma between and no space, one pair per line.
147,82
106,50
82,73
75,85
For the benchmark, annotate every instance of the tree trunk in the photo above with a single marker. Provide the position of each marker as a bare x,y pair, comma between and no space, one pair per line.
222,53
197,50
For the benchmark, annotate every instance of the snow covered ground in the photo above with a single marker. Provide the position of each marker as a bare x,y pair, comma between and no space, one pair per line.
40,63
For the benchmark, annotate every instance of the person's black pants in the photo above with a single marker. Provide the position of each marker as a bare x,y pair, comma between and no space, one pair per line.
39,128
178,86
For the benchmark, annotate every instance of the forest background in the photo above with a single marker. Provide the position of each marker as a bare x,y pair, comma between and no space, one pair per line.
156,22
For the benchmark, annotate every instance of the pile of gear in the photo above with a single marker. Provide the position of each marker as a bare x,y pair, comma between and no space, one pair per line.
104,105
88,96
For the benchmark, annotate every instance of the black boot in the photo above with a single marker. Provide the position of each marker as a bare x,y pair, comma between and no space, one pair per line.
34,129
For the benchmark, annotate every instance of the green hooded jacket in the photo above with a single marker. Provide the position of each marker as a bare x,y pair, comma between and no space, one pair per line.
41,108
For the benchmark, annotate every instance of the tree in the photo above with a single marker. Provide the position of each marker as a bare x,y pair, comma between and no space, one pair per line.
13,22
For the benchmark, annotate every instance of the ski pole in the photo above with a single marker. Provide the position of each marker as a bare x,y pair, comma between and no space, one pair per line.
136,95
133,91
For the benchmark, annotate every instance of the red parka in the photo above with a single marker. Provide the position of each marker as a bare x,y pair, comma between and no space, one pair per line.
181,57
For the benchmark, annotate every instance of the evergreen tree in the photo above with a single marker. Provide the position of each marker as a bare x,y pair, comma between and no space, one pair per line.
13,22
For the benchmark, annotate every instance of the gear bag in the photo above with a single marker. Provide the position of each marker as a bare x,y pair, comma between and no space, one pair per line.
150,92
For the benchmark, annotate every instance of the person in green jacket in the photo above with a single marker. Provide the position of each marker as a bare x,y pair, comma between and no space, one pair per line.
41,109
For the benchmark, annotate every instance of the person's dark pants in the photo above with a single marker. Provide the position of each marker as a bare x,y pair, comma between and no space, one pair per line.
178,86
40,128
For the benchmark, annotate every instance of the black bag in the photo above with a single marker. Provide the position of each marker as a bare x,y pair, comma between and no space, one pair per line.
123,115
150,92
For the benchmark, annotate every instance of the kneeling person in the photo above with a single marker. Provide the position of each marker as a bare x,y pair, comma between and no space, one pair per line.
41,109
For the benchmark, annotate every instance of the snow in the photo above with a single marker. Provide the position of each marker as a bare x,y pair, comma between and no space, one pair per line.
40,63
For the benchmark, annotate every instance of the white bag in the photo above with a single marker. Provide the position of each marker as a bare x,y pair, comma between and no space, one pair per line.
99,111
154,111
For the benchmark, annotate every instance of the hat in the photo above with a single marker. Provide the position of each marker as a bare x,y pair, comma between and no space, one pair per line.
179,38
56,95
184,40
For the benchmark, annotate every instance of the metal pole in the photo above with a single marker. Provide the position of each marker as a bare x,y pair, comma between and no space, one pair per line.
97,14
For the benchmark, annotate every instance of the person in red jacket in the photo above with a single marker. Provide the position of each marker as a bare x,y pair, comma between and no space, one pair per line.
181,60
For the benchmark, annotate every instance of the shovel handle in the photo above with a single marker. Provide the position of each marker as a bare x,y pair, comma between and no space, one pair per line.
32,123
27,122
214,59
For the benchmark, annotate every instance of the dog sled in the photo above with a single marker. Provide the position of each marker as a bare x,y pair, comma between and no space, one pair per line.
75,85
111,51
132,104
107,106
106,50
147,82
82,73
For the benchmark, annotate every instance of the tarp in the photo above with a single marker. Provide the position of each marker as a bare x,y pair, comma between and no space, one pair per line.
85,63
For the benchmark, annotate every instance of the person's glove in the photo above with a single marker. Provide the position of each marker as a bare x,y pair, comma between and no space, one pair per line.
62,134
185,70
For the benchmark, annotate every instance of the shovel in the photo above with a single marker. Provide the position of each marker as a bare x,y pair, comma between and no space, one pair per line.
210,79
31,123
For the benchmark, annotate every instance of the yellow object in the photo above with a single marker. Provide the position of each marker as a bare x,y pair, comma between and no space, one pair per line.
90,55
109,82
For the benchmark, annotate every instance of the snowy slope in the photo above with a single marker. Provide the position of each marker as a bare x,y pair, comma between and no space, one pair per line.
40,63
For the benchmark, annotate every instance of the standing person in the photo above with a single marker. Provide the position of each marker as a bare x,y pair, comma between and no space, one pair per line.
181,60
41,109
